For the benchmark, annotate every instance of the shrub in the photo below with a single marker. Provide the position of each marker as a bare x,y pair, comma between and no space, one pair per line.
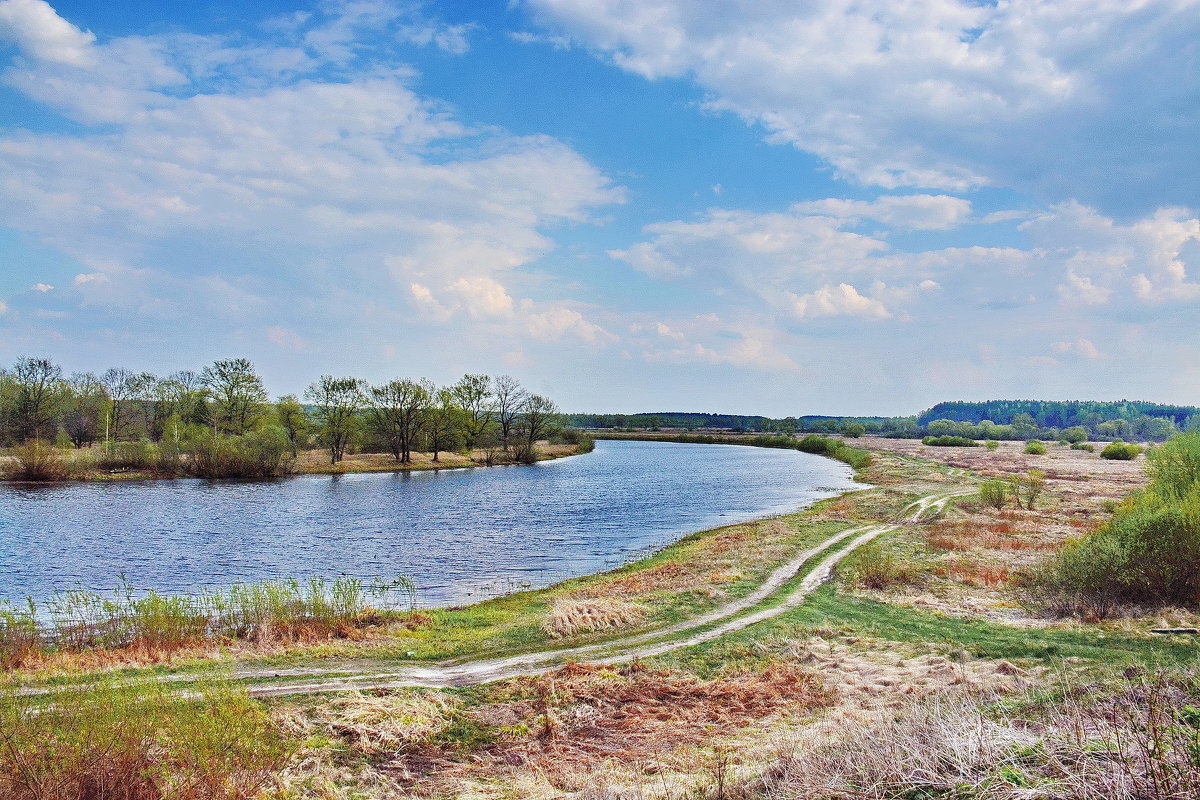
1089,448
1119,451
19,635
1030,485
992,444
993,493
1035,448
263,454
873,566
136,455
1148,553
104,741
36,461
949,441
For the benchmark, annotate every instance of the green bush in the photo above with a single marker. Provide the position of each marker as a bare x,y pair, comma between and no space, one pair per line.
1083,446
949,441
992,444
1148,553
993,493
36,461
263,454
136,455
1120,451
874,566
1035,448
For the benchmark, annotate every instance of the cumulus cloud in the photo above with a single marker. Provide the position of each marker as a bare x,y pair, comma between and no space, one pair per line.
231,177
838,301
921,212
41,34
1083,348
947,94
42,287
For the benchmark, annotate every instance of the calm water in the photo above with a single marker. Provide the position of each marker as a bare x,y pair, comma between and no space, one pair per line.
459,534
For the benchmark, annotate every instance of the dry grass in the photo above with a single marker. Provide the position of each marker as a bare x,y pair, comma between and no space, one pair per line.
572,616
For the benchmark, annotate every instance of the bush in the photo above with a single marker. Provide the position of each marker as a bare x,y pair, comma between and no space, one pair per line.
1035,448
993,493
36,461
264,454
1119,451
1089,448
105,741
1148,553
137,455
992,444
874,566
949,441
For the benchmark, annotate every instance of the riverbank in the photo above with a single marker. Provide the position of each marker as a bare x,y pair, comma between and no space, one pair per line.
312,462
715,717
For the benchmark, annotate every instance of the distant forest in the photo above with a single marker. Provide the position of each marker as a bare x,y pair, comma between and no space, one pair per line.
1069,420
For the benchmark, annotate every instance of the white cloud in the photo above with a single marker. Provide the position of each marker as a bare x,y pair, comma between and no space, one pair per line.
837,301
222,184
3,307
1081,347
560,323
42,287
946,94
286,339
921,212
42,35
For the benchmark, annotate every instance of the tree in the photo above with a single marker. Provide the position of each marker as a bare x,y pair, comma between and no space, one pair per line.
238,394
510,399
84,420
338,401
40,393
445,423
124,387
473,394
292,419
538,415
397,412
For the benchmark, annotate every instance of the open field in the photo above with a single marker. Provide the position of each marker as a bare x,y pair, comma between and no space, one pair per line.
923,612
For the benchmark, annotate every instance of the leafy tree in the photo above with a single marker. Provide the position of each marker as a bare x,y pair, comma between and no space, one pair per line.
473,394
444,422
237,392
40,394
291,417
538,415
397,413
337,401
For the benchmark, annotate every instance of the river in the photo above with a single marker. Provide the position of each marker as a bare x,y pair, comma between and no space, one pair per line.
460,535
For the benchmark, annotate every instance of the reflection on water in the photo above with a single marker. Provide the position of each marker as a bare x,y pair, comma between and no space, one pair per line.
459,534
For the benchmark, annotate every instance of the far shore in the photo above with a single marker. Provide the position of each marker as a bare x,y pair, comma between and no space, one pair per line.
316,462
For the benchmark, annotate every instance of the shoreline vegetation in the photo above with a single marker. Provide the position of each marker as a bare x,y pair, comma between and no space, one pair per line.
925,636
218,423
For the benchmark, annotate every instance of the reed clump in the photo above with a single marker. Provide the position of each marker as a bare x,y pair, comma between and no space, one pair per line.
158,624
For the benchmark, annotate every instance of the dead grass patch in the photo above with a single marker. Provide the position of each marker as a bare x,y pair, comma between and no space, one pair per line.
573,616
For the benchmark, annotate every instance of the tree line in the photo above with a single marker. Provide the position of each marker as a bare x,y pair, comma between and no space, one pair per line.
220,416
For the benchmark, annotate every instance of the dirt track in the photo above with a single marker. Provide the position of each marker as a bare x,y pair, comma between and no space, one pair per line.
718,622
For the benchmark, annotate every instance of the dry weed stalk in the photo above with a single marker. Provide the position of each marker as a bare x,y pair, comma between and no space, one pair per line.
573,616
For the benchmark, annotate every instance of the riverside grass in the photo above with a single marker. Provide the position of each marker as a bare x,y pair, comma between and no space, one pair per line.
157,623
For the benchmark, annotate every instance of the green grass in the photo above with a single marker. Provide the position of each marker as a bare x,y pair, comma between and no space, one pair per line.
830,612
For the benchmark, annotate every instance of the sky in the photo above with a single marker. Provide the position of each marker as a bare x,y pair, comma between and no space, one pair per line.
745,206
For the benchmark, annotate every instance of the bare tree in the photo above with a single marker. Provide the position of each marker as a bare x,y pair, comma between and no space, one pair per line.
237,391
473,394
124,387
397,414
510,398
84,420
338,401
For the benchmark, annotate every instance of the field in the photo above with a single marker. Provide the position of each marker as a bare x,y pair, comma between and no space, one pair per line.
867,688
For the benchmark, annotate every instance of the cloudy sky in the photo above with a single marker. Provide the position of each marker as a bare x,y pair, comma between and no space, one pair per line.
750,206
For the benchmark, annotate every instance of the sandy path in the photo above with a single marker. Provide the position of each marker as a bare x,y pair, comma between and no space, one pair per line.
640,646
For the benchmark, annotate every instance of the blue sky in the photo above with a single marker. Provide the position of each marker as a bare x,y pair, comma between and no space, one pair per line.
753,207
